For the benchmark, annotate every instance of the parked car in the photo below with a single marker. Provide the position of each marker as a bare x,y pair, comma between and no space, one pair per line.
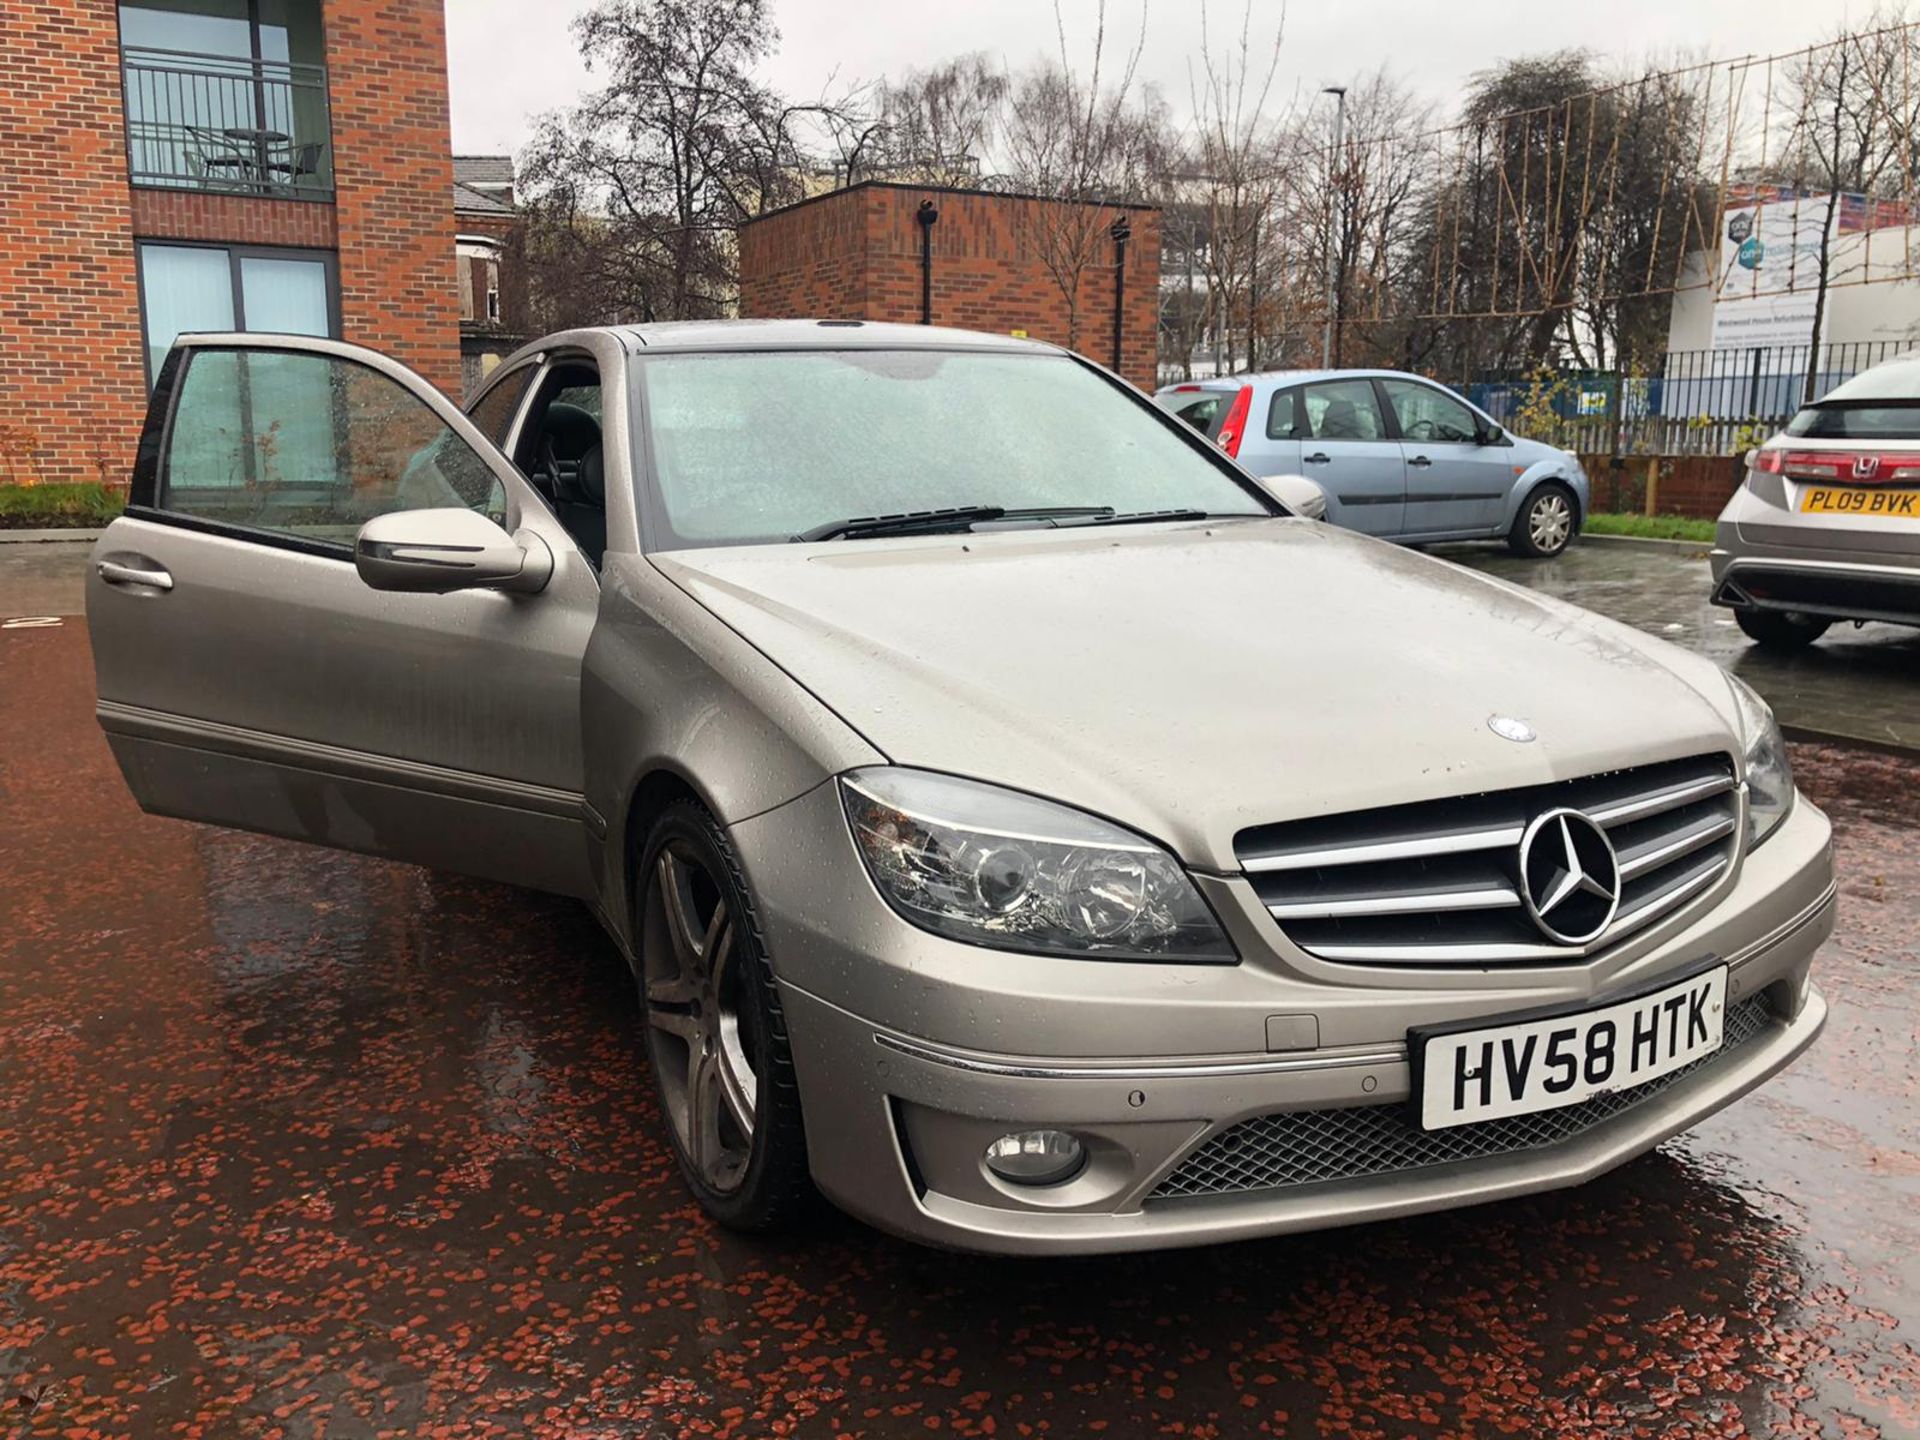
1826,526
1399,456
1044,842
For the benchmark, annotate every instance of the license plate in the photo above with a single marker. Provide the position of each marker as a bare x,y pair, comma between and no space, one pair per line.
1835,500
1529,1064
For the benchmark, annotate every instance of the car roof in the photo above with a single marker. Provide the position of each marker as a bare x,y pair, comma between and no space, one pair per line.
825,334
1288,377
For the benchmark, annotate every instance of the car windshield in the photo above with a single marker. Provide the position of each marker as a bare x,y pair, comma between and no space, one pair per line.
764,446
1858,420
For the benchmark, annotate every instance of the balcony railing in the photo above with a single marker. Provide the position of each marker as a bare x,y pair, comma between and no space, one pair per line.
214,122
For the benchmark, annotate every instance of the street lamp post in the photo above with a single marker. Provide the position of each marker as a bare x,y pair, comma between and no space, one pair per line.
1339,93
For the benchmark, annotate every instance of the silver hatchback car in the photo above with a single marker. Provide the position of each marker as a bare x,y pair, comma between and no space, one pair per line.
1399,456
1826,526
1032,836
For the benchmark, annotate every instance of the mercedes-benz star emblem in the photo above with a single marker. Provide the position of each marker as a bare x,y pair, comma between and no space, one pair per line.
1569,877
1511,727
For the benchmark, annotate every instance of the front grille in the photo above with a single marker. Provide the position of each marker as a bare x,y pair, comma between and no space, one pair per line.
1311,1147
1439,882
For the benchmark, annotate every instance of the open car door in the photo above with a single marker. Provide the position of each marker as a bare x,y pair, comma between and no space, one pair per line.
334,611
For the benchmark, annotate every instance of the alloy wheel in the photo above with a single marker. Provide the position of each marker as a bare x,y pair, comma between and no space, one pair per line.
1550,523
693,992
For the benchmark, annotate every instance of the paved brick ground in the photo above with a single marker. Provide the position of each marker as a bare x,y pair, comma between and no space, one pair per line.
296,1144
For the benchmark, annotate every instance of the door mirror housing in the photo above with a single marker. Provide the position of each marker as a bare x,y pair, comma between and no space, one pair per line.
1491,434
1304,497
435,552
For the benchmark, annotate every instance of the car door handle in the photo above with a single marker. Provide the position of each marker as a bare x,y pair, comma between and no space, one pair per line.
151,576
1422,461
1318,458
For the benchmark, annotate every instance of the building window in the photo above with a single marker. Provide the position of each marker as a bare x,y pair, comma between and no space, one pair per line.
227,95
198,289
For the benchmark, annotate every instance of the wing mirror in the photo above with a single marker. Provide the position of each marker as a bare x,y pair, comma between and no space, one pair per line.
435,552
1490,434
1302,496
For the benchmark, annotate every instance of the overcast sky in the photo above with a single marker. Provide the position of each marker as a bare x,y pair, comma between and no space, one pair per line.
512,59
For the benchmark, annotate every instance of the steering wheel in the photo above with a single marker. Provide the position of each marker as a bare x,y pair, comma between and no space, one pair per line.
1422,430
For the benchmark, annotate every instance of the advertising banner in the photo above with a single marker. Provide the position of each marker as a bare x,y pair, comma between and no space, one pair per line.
1769,273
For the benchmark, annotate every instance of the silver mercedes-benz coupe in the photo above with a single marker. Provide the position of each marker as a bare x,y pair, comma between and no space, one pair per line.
1826,526
1023,828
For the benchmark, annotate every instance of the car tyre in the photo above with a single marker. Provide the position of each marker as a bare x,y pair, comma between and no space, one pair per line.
1781,629
716,1035
1547,522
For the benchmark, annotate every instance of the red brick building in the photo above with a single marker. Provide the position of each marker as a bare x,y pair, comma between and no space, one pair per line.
856,254
181,165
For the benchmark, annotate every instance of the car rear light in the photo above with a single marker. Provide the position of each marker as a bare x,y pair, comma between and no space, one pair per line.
1234,428
1844,467
1188,389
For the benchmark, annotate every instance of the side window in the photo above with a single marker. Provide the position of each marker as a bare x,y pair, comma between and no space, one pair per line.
311,446
1428,414
1283,417
493,413
1202,413
1343,410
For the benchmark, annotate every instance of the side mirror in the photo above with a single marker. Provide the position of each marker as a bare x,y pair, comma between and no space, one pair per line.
1490,435
436,552
1302,496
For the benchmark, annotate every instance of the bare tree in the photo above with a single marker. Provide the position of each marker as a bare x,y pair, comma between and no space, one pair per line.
1855,130
1363,201
635,195
1225,184
937,126
1084,139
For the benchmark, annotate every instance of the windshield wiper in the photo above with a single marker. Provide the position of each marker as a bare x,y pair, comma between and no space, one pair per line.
913,522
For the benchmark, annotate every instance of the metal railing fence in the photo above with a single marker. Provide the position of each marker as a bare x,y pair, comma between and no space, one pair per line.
226,123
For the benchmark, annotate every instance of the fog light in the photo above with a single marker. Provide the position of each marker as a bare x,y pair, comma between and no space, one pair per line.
1036,1157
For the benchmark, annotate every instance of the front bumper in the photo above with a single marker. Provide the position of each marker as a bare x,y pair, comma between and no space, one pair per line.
913,1054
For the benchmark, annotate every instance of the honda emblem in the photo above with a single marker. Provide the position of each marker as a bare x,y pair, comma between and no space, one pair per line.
1866,467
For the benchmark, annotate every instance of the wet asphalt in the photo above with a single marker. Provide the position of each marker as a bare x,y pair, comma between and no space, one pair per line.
301,1144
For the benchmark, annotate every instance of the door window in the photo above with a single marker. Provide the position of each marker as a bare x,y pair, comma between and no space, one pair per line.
1343,410
493,413
1427,414
311,446
1283,417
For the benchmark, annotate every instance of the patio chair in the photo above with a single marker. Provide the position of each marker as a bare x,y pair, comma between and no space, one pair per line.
300,161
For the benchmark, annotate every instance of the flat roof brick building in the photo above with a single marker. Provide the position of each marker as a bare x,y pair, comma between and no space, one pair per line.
181,165
856,254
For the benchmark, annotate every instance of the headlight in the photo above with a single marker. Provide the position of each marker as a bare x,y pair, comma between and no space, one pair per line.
1769,775
994,867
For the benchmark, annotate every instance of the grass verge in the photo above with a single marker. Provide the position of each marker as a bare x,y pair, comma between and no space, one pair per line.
1651,527
57,507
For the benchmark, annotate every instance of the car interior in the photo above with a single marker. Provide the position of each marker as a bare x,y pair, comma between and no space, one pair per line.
561,452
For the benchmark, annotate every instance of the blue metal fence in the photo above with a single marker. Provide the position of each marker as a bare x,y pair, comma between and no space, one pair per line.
1699,402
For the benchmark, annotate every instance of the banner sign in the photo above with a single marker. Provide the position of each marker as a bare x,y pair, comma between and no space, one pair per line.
1769,273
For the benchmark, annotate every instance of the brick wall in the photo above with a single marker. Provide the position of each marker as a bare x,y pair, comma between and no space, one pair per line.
233,219
72,372
1697,486
393,178
72,381
855,254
